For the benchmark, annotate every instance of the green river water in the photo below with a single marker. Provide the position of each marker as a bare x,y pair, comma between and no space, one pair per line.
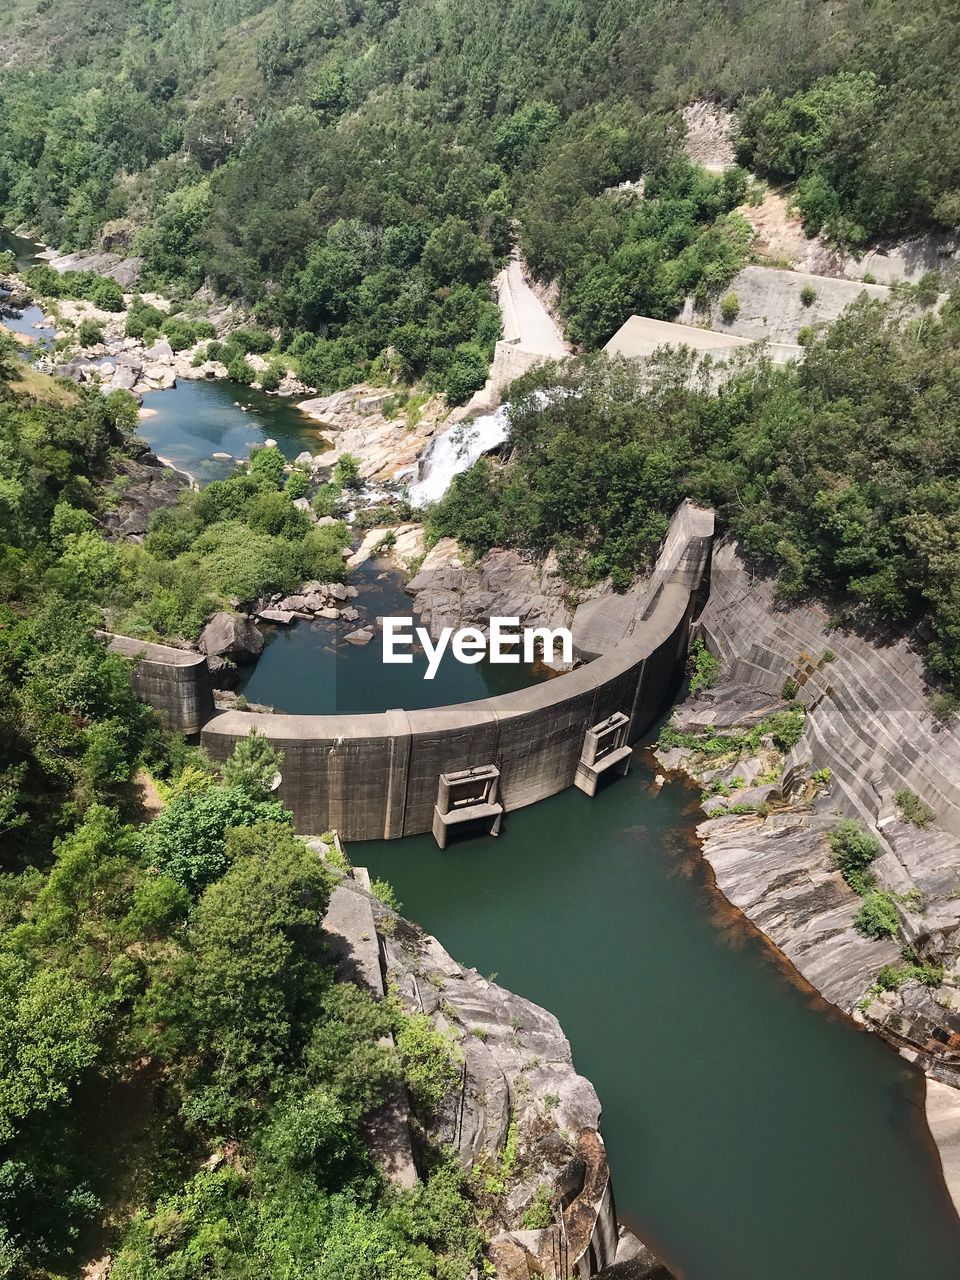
753,1133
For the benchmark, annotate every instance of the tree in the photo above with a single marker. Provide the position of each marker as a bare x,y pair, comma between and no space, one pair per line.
9,357
268,465
188,839
253,766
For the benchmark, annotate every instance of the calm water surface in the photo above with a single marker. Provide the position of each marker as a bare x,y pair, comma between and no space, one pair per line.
310,669
196,419
753,1133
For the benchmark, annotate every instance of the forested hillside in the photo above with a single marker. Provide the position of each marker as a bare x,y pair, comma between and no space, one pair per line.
840,471
183,1080
353,169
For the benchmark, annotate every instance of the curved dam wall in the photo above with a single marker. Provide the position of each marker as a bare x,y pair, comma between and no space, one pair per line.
377,776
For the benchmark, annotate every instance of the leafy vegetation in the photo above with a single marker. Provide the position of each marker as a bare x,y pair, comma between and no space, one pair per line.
913,809
352,171
704,667
853,849
840,473
877,916
166,997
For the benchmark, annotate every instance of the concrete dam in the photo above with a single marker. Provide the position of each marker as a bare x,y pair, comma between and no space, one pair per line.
400,773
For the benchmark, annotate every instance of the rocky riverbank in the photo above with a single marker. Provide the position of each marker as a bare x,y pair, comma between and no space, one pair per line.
805,726
521,1119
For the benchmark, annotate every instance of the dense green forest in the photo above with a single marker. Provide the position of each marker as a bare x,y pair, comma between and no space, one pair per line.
840,473
352,170
165,996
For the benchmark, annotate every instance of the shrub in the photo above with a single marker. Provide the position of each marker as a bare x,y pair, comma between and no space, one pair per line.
808,295
268,465
539,1213
106,295
239,371
729,307
385,891
347,472
272,376
327,500
877,916
321,553
786,728
430,1067
142,316
853,849
913,809
704,667
789,690
298,484
893,976
255,339
89,333
179,332
944,707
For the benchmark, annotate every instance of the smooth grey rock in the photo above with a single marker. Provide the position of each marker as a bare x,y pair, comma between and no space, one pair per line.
363,635
231,635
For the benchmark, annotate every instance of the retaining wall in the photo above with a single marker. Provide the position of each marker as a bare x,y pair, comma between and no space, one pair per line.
175,682
376,776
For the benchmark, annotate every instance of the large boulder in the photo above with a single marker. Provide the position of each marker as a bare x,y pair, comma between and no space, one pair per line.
231,635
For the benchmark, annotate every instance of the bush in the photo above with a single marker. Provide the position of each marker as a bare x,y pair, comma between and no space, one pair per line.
893,976
913,809
327,500
729,307
347,472
268,465
853,849
239,371
808,295
179,332
704,667
944,707
89,333
877,916
786,728
142,317
106,295
298,484
272,376
430,1066
256,340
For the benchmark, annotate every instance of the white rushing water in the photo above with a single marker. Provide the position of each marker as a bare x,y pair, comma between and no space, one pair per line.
453,451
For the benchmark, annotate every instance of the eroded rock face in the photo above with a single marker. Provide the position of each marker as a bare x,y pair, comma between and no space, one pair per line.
449,593
230,635
147,486
867,734
518,1079
385,446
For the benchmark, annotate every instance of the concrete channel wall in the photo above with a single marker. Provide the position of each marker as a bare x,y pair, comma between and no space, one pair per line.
377,776
175,682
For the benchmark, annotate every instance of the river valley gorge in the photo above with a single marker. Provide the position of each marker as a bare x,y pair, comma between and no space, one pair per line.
738,1107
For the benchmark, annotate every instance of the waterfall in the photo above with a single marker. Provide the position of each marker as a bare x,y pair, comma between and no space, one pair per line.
453,451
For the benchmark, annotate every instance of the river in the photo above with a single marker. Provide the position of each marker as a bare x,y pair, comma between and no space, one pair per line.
753,1132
